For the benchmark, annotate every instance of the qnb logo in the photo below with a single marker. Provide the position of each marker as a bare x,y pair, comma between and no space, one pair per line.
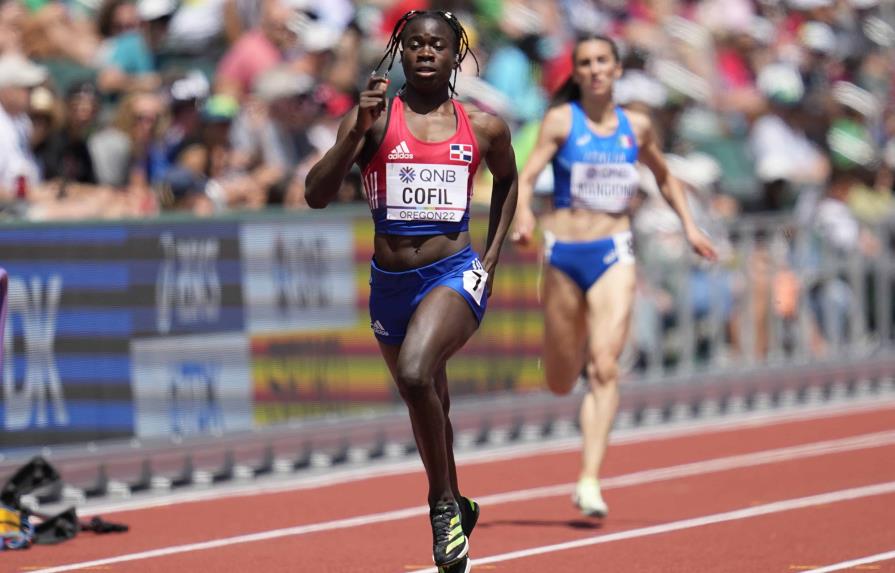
194,401
188,289
407,175
401,151
27,402
302,273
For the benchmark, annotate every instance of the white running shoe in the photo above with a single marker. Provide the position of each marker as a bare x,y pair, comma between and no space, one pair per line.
588,499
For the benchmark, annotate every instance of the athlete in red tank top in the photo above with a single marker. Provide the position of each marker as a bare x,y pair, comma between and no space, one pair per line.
428,288
417,187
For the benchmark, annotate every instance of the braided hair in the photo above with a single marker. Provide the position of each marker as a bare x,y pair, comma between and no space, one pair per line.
461,44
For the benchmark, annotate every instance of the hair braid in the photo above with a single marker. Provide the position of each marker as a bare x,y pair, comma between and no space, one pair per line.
462,48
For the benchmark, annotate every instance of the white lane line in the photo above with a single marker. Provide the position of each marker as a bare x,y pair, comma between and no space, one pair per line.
860,442
633,436
745,513
855,562
648,476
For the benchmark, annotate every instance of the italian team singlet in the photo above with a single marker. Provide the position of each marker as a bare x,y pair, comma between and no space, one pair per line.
417,187
593,171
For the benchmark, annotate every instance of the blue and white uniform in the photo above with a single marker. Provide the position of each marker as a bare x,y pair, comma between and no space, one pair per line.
597,173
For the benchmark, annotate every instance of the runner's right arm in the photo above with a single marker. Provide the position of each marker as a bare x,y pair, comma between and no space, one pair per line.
554,130
325,178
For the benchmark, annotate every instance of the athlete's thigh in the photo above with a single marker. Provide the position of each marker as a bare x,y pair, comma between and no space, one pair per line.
390,353
564,327
440,325
610,301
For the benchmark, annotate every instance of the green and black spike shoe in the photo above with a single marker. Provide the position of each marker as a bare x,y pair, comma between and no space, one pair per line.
449,542
469,514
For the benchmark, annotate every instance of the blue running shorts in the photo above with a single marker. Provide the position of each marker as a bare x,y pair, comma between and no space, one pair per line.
394,296
586,262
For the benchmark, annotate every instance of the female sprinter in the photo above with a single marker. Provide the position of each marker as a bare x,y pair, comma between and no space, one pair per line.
588,285
428,288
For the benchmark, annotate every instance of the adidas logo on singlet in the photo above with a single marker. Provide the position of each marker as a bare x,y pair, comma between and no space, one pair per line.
401,151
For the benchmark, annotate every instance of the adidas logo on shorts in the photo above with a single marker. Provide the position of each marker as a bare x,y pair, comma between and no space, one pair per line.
401,151
378,328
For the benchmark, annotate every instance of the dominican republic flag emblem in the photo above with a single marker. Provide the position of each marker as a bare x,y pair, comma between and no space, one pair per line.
461,152
625,141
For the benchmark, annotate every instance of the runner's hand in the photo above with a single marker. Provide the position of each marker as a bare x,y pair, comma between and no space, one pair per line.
701,244
372,103
523,227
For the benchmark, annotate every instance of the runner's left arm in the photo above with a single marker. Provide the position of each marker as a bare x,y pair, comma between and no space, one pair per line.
501,161
673,192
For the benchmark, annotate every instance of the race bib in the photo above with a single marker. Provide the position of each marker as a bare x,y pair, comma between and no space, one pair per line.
426,192
604,187
475,280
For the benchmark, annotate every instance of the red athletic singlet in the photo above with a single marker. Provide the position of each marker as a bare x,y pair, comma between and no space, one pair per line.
418,187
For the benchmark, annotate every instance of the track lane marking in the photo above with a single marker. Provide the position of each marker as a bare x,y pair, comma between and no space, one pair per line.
735,515
860,442
855,562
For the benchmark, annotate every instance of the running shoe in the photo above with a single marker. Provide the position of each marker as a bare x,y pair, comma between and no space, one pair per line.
588,498
469,515
462,566
448,540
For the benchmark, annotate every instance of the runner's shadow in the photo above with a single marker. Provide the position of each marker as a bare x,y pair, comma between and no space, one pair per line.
568,523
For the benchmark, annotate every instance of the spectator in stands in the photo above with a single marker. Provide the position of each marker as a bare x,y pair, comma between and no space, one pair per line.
132,33
51,32
785,158
186,96
838,237
260,49
128,153
18,169
64,156
271,136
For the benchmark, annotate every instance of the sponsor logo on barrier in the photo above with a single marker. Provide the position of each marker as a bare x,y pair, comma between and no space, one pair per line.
195,384
188,289
300,269
195,406
37,398
298,276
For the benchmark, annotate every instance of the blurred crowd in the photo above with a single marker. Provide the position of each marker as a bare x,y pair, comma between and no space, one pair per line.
131,108
117,108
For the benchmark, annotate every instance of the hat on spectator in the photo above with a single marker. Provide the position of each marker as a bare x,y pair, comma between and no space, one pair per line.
681,81
19,72
698,170
150,10
781,84
220,108
879,31
850,145
855,98
193,86
313,34
863,4
636,86
818,37
282,82
809,4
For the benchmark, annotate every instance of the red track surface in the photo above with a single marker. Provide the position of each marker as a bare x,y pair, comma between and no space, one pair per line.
647,529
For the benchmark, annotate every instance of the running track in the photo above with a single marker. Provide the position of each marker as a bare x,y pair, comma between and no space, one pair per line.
804,491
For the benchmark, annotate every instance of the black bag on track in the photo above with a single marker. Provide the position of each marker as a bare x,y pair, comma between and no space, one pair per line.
19,529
